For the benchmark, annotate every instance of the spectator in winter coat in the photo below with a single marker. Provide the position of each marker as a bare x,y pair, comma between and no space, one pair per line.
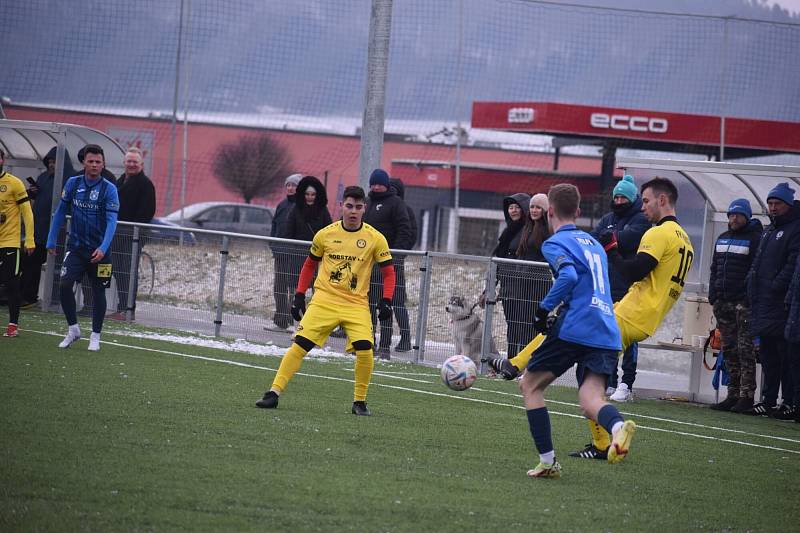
137,203
792,334
42,195
767,285
308,215
387,213
285,277
733,256
399,261
514,287
628,223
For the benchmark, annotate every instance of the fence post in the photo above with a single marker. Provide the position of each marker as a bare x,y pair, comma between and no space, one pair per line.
221,291
133,275
488,315
422,308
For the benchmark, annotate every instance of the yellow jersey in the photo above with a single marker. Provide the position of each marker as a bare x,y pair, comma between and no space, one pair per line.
648,301
347,258
14,202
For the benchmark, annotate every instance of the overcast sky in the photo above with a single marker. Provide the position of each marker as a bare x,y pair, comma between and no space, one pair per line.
791,5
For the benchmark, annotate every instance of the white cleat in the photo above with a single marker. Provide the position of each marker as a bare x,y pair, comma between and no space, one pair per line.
73,334
622,394
94,342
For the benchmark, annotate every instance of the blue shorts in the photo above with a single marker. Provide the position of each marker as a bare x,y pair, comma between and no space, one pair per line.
78,263
558,356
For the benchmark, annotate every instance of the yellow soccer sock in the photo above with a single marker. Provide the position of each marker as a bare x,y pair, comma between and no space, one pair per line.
364,364
600,437
290,364
521,359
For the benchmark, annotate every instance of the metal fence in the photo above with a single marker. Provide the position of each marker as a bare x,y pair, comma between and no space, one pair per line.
240,286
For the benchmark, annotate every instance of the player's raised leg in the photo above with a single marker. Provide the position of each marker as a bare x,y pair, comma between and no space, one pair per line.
591,395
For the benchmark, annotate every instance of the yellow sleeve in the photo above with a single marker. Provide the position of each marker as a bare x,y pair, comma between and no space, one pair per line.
382,253
27,215
653,243
318,245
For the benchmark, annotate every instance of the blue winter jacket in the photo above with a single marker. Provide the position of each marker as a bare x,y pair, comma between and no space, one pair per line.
629,226
734,252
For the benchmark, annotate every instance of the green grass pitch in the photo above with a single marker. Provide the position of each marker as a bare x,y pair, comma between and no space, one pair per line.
140,436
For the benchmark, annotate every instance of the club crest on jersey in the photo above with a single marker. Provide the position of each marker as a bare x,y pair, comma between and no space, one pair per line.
94,195
779,235
3,188
361,243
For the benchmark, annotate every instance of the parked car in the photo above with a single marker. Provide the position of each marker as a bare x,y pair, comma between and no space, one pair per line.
169,232
224,216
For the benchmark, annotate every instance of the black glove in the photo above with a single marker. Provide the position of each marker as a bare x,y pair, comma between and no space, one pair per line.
384,309
543,321
298,306
608,240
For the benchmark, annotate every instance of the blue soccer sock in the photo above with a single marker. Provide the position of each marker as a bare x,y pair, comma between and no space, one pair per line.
68,302
99,310
608,417
539,422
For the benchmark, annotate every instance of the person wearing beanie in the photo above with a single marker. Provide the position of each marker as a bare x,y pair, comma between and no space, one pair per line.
387,213
628,223
734,252
767,286
285,276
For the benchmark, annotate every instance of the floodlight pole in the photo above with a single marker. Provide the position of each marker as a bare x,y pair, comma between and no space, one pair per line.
380,26
174,122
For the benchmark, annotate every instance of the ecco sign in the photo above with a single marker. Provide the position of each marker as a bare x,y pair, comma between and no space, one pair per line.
628,123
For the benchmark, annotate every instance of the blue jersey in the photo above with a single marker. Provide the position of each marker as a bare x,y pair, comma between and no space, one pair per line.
94,205
581,270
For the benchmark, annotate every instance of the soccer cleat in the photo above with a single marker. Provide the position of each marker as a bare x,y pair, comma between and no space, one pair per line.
269,401
546,471
622,394
728,403
11,331
361,409
502,366
94,342
621,443
71,336
590,452
783,412
760,409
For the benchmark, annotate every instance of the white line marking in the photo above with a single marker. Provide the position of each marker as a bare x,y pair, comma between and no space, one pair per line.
457,397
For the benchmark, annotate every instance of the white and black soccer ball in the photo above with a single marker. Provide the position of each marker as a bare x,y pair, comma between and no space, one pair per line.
459,372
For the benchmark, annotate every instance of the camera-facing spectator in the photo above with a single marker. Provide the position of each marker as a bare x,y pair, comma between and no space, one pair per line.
285,276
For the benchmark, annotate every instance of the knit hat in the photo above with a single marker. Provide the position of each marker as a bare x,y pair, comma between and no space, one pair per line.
626,187
294,179
540,200
782,192
379,177
741,206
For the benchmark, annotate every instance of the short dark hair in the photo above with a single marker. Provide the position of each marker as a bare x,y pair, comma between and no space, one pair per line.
90,149
662,186
355,192
565,199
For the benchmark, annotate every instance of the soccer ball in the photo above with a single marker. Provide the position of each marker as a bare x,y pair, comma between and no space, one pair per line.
459,372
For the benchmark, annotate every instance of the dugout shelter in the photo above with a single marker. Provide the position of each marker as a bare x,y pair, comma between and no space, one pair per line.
25,144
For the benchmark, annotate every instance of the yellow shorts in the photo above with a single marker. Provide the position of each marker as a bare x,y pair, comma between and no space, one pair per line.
321,319
629,332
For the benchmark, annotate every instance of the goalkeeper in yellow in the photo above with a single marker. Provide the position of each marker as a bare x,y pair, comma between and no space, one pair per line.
658,272
14,206
345,252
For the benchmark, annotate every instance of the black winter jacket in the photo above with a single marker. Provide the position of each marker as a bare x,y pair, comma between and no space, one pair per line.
508,242
792,331
734,252
137,198
387,213
771,274
304,221
400,189
629,225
